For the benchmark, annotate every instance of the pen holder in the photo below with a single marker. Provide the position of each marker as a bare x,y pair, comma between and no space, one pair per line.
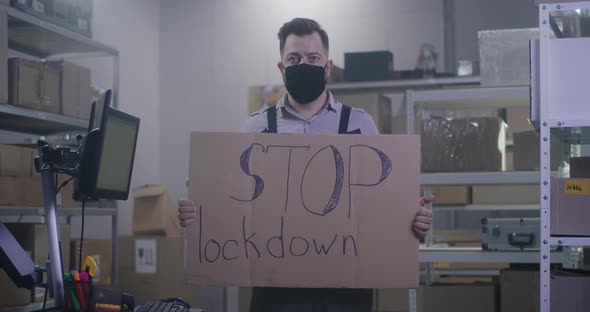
78,295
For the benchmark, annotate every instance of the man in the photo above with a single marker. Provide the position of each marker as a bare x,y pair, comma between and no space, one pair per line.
310,108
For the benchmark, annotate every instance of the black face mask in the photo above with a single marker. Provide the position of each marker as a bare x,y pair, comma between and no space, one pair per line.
305,82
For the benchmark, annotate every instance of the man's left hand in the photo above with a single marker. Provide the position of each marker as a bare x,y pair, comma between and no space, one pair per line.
423,219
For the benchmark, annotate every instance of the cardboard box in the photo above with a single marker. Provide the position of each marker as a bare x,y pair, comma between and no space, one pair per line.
580,167
506,194
440,298
458,298
3,58
450,195
569,206
10,192
569,291
517,119
15,161
65,198
527,150
24,83
154,211
504,56
10,295
289,234
50,94
519,291
101,250
75,90
463,144
377,105
31,190
152,268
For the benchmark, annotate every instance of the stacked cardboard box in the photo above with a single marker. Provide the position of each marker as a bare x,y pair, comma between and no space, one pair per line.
75,90
33,85
20,185
463,144
146,268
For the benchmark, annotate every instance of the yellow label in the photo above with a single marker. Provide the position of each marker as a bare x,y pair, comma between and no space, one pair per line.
577,187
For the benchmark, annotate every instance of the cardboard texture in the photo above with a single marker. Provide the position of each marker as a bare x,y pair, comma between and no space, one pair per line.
569,206
3,59
520,291
303,210
569,292
167,278
439,298
517,118
75,90
24,83
10,192
526,151
50,94
463,144
101,251
377,105
15,161
451,195
154,212
506,194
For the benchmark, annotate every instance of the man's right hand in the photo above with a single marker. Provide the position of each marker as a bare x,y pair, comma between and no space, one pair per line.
187,212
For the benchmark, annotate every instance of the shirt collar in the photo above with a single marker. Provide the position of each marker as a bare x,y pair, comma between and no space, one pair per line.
332,104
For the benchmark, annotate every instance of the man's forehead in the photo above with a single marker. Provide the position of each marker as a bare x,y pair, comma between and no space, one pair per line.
311,43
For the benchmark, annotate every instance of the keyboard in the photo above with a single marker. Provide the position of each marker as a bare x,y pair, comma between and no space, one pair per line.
160,306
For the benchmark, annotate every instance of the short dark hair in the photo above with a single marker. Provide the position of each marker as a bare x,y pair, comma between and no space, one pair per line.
302,26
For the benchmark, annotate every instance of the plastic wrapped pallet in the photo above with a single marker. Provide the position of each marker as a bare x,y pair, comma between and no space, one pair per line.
463,144
504,56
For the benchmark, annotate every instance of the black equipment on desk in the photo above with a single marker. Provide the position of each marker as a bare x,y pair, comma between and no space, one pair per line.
164,306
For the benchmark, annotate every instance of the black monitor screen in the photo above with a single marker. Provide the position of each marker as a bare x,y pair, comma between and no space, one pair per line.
118,151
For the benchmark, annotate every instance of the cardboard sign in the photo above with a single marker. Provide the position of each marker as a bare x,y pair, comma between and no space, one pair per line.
303,210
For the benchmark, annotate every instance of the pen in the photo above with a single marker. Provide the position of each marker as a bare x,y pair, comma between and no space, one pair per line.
79,289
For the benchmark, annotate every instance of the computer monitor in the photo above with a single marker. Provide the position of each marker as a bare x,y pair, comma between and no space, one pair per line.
108,153
115,165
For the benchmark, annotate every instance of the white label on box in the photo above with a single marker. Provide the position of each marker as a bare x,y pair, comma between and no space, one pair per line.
58,199
145,256
39,294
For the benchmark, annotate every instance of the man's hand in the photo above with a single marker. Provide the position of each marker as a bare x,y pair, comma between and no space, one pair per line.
187,212
423,219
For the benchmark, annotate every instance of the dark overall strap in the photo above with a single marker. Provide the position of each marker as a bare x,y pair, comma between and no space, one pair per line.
271,117
344,117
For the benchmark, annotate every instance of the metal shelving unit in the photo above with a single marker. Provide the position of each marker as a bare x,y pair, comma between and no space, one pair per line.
41,39
477,255
465,98
563,112
402,85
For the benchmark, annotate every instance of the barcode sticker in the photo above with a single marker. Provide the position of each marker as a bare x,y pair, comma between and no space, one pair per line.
577,187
